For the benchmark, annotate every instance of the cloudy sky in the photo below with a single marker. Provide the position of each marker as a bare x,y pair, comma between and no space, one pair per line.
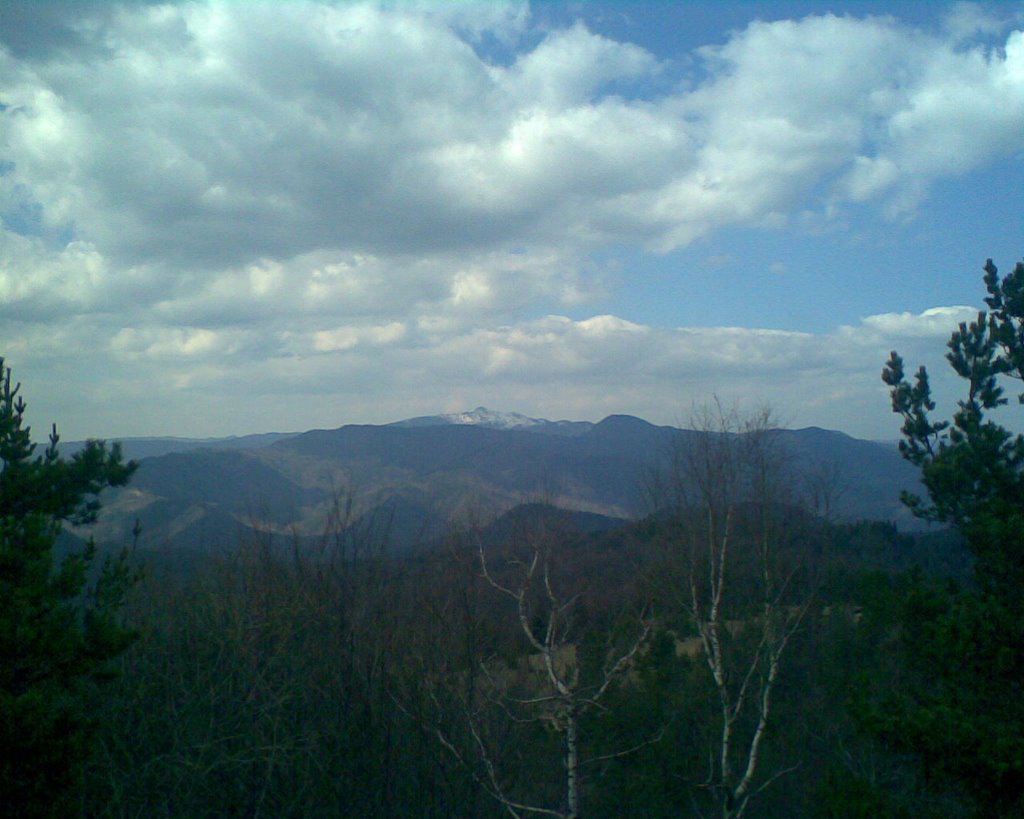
222,218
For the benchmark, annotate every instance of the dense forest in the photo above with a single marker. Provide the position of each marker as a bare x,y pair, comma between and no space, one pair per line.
269,683
734,653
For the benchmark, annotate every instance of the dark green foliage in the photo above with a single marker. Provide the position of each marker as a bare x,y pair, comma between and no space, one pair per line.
271,683
962,710
880,546
972,467
59,624
943,694
662,714
848,796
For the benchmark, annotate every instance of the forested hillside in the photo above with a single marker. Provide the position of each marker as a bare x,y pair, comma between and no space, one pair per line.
349,683
548,659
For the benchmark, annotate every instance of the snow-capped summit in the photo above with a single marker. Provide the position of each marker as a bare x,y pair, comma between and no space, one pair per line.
483,417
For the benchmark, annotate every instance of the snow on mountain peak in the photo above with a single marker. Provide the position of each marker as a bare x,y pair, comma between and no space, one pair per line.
484,417
480,417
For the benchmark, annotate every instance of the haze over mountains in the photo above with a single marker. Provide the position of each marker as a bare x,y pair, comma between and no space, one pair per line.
416,477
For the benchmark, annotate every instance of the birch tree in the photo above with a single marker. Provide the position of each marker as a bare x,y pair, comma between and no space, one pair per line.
730,487
549,686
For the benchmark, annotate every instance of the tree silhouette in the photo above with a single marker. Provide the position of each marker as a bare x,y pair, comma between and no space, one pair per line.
59,625
964,714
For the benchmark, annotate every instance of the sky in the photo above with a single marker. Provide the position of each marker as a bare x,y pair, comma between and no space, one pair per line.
223,218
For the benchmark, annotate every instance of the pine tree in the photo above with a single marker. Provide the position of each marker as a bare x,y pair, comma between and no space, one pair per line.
59,619
964,714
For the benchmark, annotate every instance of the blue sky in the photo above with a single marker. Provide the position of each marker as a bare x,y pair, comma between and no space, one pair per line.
222,218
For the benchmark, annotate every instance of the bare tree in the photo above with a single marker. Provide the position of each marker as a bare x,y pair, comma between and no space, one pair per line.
548,686
731,496
824,486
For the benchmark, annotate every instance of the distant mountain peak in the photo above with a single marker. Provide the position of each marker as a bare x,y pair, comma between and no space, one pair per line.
493,419
479,417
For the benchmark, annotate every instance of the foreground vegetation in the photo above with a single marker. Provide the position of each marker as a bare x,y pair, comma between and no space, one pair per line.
271,684
734,654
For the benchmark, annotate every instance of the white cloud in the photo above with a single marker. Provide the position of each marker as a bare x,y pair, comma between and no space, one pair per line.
195,381
965,20
960,109
345,338
574,67
356,200
217,134
170,343
504,20
931,323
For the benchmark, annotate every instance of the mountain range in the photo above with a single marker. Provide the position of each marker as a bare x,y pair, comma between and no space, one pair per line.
418,477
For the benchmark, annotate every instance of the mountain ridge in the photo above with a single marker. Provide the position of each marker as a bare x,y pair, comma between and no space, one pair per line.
425,476
494,419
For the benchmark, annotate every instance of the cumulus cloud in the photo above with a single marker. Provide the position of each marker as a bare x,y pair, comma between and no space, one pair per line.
362,200
212,135
929,323
966,19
